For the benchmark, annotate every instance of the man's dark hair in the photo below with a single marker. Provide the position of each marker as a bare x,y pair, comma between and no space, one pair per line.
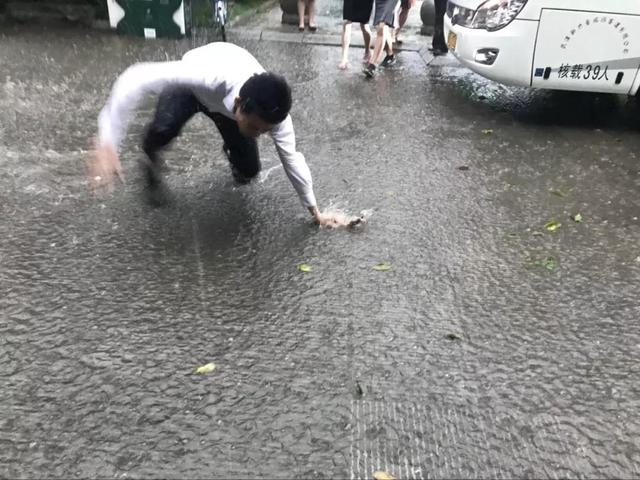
267,95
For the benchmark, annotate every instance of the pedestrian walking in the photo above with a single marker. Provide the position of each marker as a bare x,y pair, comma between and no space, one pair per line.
311,10
358,11
228,85
383,20
438,44
405,7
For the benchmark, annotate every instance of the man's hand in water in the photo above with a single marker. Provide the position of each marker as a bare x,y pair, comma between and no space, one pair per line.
103,165
331,220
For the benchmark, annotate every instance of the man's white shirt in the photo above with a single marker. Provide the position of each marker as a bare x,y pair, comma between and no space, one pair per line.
215,73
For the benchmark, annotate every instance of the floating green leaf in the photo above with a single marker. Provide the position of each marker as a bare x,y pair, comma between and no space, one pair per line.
537,234
382,475
552,225
453,336
548,262
558,192
303,267
487,131
576,218
382,267
209,367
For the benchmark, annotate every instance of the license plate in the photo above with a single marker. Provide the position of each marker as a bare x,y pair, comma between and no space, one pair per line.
452,39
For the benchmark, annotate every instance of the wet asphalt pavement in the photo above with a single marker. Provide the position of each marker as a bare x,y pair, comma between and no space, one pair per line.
467,358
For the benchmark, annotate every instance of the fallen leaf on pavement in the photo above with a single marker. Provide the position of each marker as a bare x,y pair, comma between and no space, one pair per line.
464,168
382,475
487,131
557,192
209,367
453,336
576,218
548,262
552,225
303,267
382,267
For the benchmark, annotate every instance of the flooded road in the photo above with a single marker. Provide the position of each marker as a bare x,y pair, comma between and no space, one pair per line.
491,347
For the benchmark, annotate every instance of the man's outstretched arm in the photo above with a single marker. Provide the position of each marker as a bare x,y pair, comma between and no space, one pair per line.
299,174
127,93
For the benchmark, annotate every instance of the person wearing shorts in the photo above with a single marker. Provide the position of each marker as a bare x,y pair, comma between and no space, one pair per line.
383,20
405,6
355,11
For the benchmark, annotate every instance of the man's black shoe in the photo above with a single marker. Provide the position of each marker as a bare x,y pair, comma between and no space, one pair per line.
157,196
151,173
437,51
239,178
389,60
155,191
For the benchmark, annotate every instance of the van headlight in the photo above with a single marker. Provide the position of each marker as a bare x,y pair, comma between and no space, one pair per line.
491,15
496,14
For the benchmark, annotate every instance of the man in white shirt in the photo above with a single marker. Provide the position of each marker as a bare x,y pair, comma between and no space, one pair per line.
226,83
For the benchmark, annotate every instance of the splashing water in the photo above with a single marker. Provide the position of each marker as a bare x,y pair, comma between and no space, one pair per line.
343,219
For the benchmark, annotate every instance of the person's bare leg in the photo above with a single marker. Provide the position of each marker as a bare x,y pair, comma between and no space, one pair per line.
379,43
300,14
388,41
312,15
402,19
366,36
346,39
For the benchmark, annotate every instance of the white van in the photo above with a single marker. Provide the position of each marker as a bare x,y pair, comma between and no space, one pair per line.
587,45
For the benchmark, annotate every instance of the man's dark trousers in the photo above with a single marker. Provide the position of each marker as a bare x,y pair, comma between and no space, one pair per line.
175,107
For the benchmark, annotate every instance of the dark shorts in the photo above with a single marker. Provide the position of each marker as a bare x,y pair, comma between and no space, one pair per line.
385,10
404,3
357,10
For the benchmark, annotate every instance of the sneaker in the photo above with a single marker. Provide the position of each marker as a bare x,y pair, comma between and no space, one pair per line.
389,60
369,70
